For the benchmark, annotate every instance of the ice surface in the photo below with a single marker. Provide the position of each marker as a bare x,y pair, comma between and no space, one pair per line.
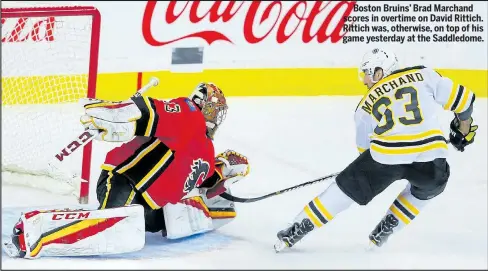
290,140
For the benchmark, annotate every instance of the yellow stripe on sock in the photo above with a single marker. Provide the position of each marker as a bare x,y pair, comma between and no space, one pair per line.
312,217
399,214
407,204
322,209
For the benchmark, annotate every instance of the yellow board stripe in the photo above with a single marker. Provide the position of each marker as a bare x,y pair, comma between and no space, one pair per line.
399,214
109,187
150,201
461,106
409,137
160,164
66,231
409,150
151,117
322,209
361,150
312,217
454,90
407,204
268,82
139,157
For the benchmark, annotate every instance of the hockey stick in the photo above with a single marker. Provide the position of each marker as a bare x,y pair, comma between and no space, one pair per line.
82,140
229,197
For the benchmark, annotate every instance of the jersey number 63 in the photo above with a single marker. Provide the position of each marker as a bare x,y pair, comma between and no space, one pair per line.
408,92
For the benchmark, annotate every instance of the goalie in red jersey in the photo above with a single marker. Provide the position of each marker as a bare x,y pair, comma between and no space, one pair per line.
167,165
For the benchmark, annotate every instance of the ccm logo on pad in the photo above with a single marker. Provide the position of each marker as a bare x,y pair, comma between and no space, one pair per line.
69,216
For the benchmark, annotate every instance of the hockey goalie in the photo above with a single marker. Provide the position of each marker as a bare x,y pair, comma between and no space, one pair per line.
165,177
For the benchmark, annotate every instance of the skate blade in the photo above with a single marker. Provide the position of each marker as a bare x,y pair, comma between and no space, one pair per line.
279,246
372,247
10,249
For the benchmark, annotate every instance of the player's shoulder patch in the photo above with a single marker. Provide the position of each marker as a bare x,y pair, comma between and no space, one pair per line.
190,104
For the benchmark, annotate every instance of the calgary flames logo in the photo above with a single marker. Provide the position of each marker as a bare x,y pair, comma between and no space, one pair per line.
199,172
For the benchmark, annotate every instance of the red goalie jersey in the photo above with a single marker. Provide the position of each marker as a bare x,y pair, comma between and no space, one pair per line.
174,155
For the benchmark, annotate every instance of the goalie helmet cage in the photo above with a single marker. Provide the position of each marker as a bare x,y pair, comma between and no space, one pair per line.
23,36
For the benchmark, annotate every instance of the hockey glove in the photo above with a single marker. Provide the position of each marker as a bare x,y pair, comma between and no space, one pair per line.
459,139
234,166
111,121
230,167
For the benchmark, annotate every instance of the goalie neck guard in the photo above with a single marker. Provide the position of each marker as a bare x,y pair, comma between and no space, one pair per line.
211,101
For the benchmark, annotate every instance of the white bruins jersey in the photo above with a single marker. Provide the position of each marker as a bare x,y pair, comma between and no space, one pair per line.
397,118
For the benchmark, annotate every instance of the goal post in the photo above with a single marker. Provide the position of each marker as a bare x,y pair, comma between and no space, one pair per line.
49,62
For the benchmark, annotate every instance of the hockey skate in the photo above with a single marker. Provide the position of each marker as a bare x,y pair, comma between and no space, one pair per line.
291,235
14,246
383,230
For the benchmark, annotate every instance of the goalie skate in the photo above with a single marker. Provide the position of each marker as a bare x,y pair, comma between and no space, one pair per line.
10,249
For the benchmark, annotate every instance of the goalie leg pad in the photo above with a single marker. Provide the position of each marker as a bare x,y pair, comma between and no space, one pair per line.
197,214
188,217
221,210
79,232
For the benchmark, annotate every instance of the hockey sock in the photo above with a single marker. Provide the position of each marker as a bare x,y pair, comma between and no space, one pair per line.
403,210
325,206
315,214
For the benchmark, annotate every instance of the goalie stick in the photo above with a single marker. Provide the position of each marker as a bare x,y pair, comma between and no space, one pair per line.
82,140
230,197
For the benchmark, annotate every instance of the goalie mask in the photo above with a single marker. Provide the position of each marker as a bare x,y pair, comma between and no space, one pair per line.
211,101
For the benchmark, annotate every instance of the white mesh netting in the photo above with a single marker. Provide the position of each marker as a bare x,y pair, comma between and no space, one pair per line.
45,70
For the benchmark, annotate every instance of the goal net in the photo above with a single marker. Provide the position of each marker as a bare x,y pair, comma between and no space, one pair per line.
49,62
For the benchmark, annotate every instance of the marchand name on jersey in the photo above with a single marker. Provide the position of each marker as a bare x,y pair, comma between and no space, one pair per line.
388,86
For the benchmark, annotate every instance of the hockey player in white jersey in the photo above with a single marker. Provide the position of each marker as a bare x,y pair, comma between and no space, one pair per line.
398,136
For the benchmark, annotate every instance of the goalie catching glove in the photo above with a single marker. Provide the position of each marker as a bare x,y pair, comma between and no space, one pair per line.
233,166
230,167
111,121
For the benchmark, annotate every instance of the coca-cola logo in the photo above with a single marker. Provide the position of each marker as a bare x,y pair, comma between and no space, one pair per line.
229,9
27,29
